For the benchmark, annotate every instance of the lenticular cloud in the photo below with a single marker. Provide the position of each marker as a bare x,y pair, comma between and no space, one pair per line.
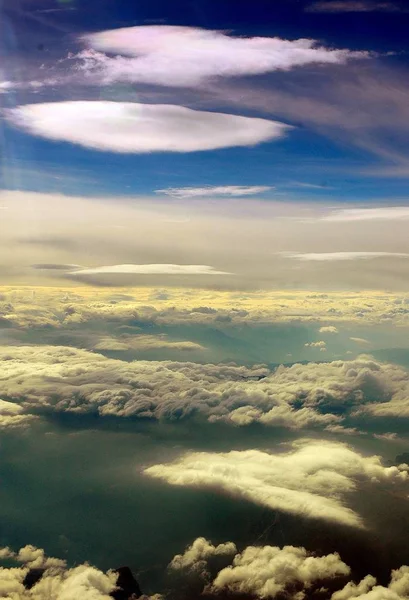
128,127
189,56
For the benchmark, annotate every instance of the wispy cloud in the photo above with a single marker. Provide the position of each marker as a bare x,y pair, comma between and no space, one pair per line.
336,256
140,128
385,213
346,6
218,190
188,56
359,340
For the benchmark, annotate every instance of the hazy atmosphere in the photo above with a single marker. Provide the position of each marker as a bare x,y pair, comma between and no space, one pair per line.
204,302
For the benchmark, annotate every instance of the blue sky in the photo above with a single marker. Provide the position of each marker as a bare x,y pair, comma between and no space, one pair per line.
342,141
218,146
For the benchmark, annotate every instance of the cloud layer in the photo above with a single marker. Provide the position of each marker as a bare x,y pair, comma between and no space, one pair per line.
313,395
127,127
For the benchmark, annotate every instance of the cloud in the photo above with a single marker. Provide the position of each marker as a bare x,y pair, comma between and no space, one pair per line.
314,395
220,190
359,340
385,213
188,56
126,127
241,238
196,555
61,308
57,581
162,269
366,589
12,415
336,256
320,344
353,590
56,267
350,6
268,571
328,329
312,480
143,342
44,378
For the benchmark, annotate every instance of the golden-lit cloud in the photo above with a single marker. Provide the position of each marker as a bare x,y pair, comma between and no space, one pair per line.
312,480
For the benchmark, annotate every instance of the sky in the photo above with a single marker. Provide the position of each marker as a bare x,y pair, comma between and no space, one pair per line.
204,307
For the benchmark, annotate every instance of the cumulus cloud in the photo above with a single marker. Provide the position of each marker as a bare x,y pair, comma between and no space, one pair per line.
336,256
61,308
127,127
366,589
321,345
12,415
216,190
287,572
312,480
328,329
58,378
351,6
57,581
268,571
198,553
353,590
189,56
73,380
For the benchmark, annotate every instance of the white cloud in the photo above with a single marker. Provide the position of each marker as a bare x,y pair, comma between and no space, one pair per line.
354,590
359,340
12,415
268,571
35,558
188,56
127,127
328,329
58,581
196,555
161,269
57,378
311,480
346,6
320,344
384,213
336,256
218,190
126,342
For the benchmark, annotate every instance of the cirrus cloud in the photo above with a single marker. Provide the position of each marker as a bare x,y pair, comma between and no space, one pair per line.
336,256
127,127
217,190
